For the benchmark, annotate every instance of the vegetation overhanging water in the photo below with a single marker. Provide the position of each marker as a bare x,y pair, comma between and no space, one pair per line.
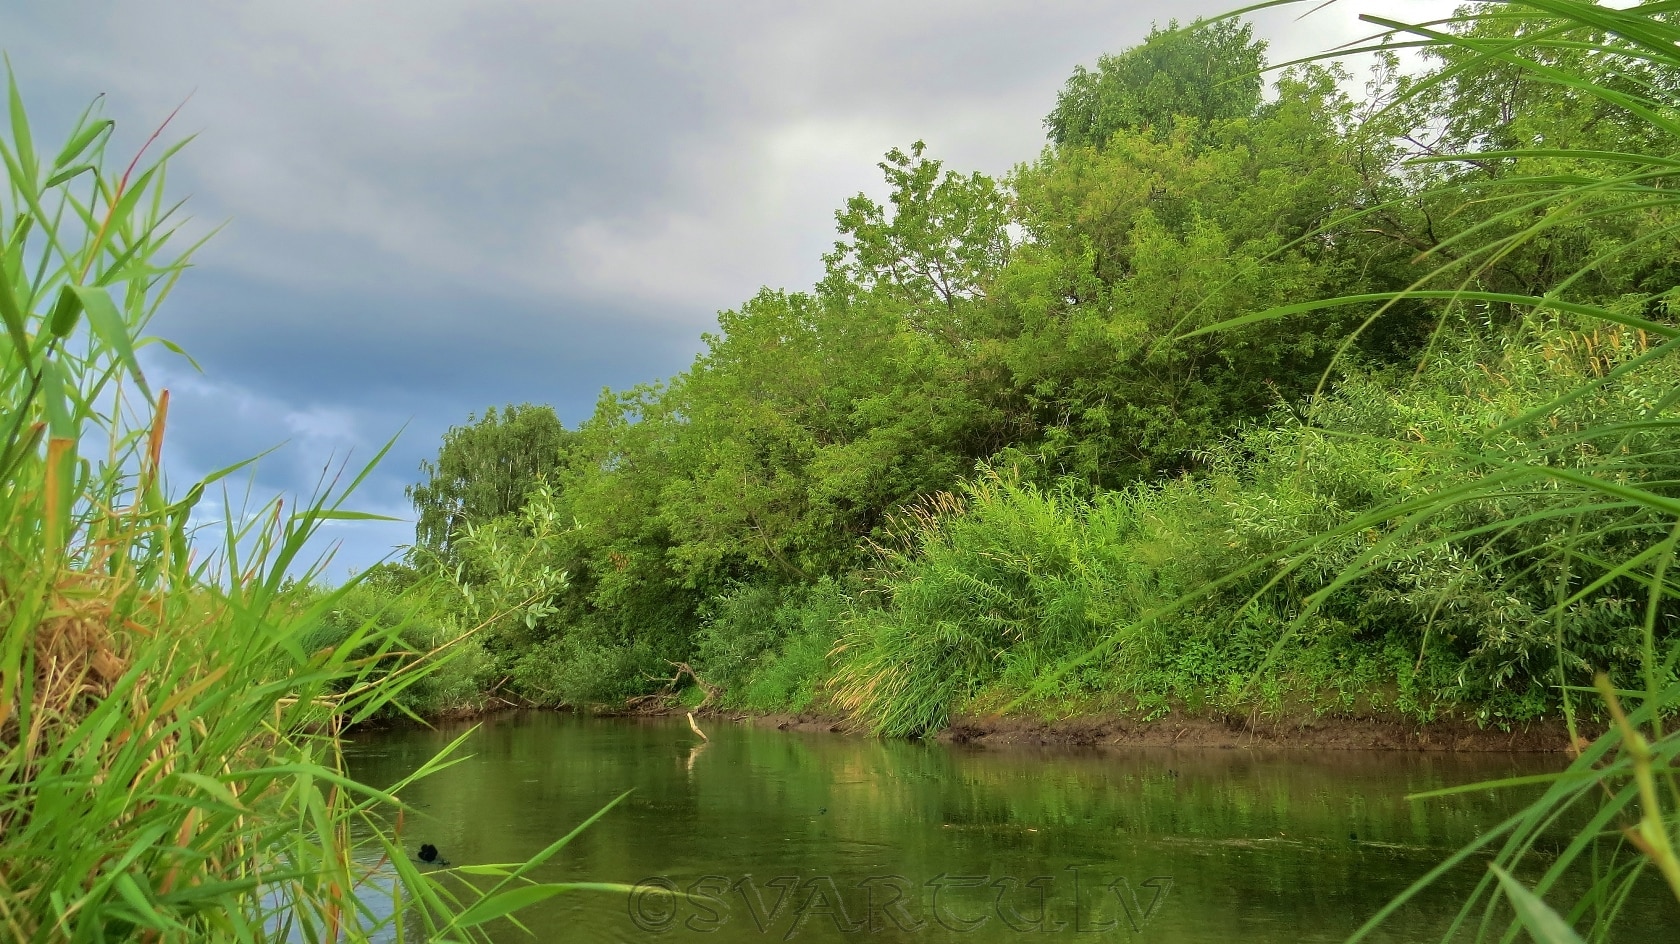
1240,399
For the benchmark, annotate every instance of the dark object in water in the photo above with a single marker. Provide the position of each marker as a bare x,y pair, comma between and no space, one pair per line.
429,855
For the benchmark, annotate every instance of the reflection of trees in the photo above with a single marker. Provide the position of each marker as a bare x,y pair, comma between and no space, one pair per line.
753,801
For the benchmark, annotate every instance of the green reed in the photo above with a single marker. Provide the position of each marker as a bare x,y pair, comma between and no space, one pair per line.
170,761
1611,483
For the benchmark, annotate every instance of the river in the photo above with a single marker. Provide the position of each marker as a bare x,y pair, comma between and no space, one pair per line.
774,835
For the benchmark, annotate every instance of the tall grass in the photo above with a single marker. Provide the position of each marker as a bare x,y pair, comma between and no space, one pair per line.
1605,487
170,766
999,583
991,590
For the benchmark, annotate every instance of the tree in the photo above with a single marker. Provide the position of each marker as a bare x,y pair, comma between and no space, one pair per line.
1207,72
946,236
1131,247
484,470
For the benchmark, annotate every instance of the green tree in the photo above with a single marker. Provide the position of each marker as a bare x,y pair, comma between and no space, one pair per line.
1205,72
1131,247
484,470
1515,136
946,235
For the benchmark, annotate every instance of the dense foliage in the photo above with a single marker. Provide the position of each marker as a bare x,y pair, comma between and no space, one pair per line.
1235,399
1092,412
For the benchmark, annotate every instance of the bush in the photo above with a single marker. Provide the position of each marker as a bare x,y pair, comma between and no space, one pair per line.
389,603
1002,586
586,666
768,647
1007,582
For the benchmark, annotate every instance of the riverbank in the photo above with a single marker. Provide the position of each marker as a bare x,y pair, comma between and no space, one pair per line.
1113,731
1105,730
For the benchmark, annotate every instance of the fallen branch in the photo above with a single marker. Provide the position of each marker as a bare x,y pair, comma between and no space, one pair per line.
667,695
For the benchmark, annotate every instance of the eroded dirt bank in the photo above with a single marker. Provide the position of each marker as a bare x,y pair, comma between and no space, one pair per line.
1117,732
1114,731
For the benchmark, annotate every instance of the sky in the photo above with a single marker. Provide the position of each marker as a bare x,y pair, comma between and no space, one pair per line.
429,207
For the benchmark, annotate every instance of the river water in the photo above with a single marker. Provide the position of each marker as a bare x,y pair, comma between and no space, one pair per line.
773,835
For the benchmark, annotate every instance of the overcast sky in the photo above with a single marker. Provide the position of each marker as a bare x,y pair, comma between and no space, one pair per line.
433,207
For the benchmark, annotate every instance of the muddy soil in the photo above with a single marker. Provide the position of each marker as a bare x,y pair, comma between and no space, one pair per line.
1323,733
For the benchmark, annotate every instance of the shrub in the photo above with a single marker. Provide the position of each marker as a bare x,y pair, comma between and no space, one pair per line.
767,646
1007,583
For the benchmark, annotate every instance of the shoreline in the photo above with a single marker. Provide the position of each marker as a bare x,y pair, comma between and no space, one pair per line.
1120,732
1113,732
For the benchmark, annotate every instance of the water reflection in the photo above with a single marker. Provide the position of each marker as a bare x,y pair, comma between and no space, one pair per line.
765,834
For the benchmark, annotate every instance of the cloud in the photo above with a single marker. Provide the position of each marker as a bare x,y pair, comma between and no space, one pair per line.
300,451
525,144
437,206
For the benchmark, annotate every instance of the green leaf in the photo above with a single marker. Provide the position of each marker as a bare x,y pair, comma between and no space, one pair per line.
213,787
130,891
67,175
496,906
532,863
1484,785
79,143
21,137
65,313
329,514
1544,925
55,401
126,203
12,313
1643,324
189,500
109,326
194,897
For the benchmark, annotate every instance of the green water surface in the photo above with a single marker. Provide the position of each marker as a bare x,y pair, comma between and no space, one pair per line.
860,839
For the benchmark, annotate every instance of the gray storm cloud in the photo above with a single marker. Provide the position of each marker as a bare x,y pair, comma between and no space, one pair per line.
438,206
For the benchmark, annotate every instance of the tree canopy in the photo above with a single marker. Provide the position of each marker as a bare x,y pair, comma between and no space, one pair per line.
1205,73
1019,411
484,470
